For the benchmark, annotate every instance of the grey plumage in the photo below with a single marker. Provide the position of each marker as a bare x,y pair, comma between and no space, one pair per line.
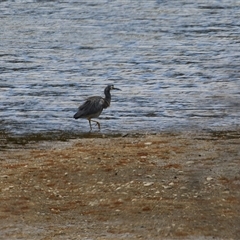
93,106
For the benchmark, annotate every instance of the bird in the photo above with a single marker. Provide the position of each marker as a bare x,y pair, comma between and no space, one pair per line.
93,106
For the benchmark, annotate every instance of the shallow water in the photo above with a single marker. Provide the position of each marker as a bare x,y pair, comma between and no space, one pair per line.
176,62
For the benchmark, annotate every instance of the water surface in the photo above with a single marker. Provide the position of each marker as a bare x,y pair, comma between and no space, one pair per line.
177,63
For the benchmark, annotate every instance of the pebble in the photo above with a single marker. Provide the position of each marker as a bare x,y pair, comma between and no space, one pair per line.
147,184
226,192
209,178
8,188
4,176
37,187
166,187
189,162
150,176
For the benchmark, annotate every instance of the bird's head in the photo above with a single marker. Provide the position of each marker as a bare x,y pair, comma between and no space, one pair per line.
111,87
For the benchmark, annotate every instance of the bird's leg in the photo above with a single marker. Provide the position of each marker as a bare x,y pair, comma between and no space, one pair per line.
89,120
96,123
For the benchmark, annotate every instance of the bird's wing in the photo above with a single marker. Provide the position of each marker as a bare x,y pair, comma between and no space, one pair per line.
92,106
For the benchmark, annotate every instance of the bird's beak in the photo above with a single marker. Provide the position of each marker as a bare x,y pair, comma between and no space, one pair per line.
117,89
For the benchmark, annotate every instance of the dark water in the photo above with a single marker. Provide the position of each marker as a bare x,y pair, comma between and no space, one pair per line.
176,61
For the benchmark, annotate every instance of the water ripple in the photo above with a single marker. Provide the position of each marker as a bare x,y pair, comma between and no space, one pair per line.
177,64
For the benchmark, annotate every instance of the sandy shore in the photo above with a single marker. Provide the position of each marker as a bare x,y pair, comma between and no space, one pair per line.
163,186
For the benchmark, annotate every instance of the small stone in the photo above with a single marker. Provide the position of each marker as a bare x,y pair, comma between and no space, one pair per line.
4,176
209,178
37,187
93,203
166,187
55,210
147,184
148,176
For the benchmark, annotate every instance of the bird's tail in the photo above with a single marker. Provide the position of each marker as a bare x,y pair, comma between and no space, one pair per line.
77,115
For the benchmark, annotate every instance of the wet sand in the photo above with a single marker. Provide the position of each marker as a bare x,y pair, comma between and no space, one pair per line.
159,186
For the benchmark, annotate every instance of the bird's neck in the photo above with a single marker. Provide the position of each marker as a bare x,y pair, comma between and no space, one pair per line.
107,99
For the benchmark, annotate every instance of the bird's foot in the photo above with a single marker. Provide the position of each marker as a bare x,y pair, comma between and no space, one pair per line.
99,128
97,123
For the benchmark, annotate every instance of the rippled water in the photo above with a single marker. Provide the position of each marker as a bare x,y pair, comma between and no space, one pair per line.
177,63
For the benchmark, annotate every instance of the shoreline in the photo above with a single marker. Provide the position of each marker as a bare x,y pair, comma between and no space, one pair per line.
10,139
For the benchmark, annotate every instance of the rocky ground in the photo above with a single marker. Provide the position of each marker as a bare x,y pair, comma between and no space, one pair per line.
163,186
